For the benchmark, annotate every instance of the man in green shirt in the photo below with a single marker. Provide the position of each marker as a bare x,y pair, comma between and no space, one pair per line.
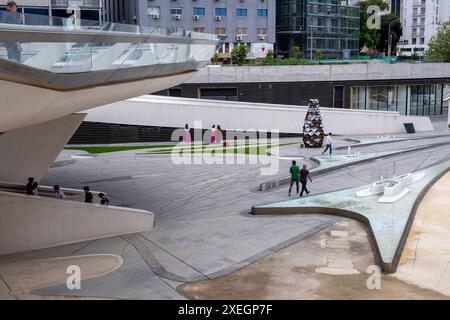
294,176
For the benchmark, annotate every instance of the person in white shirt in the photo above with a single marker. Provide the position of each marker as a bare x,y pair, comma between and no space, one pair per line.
58,193
329,144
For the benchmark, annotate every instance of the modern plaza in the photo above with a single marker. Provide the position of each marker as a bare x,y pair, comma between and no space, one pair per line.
154,174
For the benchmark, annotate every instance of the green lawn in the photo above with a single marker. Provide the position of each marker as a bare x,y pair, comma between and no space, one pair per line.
167,149
98,150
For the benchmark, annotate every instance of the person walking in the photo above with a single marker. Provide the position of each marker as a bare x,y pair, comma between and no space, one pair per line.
213,134
187,134
29,186
88,197
10,16
329,143
58,193
219,134
304,176
294,170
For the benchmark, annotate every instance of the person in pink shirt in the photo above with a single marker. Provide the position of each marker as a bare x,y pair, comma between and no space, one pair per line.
187,134
213,134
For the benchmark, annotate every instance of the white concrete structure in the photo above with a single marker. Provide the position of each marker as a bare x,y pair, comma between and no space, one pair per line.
420,22
30,151
153,110
49,71
29,223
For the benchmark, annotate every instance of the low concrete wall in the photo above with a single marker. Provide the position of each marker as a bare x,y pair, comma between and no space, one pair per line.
29,223
175,112
329,72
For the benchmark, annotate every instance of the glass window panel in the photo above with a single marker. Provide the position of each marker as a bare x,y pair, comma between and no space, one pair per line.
221,12
401,102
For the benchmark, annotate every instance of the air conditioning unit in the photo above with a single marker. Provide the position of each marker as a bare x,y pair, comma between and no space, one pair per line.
155,16
177,16
196,17
218,18
239,37
261,37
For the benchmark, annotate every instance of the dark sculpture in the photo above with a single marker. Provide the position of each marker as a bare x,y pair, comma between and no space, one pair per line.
313,134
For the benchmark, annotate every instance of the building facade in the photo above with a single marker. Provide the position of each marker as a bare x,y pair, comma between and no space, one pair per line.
325,29
396,7
414,89
89,9
421,20
235,21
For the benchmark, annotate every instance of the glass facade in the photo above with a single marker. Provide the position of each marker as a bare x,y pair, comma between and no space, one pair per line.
321,28
414,100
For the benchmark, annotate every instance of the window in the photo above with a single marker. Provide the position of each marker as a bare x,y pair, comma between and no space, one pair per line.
339,97
199,11
152,10
222,12
241,31
262,12
241,12
199,29
261,31
221,31
176,11
230,94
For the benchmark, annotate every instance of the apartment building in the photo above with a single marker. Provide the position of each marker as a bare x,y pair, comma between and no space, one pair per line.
251,22
421,20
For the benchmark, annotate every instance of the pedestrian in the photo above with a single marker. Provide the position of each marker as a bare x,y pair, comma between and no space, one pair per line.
219,135
187,134
10,16
35,191
29,186
103,200
88,197
304,176
213,134
294,176
329,143
58,193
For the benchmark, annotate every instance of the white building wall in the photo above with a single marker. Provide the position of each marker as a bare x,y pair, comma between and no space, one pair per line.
421,20
175,112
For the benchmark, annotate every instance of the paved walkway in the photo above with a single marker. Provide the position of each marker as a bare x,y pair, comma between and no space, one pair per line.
202,226
426,259
332,264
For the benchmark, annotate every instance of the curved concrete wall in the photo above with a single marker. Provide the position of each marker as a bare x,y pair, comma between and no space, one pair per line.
30,223
175,112
25,105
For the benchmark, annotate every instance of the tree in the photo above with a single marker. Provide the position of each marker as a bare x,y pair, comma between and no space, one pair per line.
396,30
439,46
296,52
318,54
369,37
215,58
269,58
239,54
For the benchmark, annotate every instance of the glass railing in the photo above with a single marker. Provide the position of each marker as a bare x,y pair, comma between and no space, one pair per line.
73,24
71,57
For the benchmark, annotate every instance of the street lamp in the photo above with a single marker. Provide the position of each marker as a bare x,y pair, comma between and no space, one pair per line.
390,37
